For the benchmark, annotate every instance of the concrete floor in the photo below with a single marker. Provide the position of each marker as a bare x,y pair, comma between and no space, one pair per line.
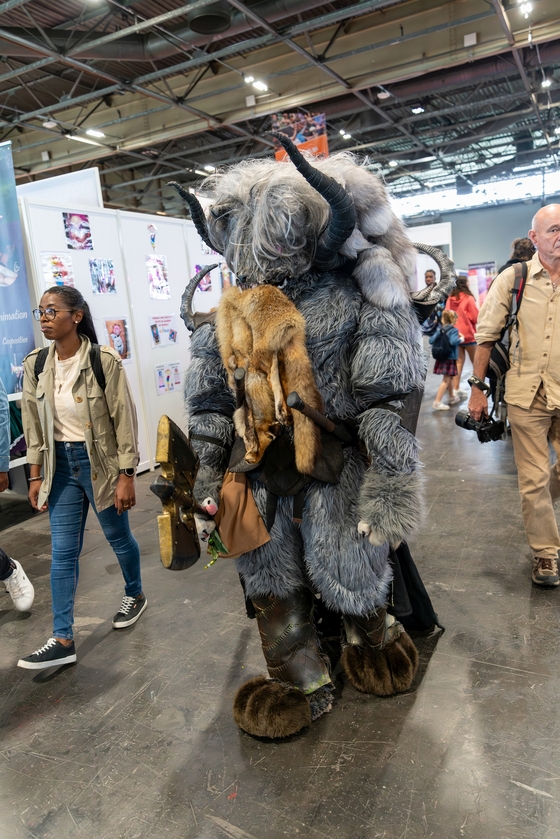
138,739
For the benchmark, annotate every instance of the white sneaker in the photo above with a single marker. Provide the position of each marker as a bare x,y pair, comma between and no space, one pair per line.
439,406
454,400
460,394
19,588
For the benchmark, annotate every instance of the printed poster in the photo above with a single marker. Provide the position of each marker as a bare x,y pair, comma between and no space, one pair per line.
168,377
481,275
226,276
117,333
57,269
16,331
308,130
156,267
78,231
163,330
102,273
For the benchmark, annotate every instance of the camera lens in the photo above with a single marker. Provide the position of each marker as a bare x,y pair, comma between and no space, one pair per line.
463,420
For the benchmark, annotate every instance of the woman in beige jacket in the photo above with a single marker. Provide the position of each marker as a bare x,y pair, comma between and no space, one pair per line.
80,426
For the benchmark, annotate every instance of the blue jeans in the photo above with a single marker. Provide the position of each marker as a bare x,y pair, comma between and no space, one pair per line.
69,500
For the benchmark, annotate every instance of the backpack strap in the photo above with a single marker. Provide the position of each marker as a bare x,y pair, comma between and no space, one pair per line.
40,360
518,287
97,366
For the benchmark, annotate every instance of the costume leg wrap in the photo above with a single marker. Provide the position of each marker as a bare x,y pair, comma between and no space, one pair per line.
379,656
289,641
299,689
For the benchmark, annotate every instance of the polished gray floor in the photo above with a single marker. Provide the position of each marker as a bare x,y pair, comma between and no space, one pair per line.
137,740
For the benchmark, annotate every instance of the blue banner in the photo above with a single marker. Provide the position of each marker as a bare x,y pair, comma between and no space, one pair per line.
16,330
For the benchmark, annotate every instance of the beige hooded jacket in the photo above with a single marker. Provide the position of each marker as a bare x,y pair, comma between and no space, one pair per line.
108,419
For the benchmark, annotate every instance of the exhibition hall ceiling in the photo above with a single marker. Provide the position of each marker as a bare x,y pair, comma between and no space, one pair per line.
437,94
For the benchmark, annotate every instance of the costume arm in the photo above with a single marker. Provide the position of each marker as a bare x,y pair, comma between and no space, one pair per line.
388,358
210,406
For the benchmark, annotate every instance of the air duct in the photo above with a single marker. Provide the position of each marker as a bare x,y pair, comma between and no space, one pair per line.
211,20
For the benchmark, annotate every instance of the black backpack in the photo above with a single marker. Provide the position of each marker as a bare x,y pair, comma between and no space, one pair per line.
499,358
95,361
441,346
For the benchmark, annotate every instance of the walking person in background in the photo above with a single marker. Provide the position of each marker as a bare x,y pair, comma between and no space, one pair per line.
449,338
522,250
81,430
461,300
11,573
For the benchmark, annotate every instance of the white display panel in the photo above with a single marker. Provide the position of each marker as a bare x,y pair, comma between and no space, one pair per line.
48,245
156,317
437,235
83,186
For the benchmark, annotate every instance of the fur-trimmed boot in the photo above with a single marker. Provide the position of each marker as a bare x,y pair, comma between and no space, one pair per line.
378,657
299,688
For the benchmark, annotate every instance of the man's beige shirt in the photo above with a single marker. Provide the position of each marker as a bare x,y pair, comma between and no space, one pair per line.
535,344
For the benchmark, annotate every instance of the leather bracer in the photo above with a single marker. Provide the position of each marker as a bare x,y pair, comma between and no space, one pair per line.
289,640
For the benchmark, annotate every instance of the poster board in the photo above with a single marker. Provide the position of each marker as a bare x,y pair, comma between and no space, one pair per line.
157,270
63,242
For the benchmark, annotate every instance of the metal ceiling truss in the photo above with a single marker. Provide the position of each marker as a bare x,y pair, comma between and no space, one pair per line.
169,98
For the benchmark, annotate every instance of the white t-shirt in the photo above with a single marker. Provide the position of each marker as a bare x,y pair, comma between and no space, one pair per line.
67,424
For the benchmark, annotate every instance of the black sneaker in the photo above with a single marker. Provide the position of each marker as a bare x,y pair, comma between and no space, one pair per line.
53,654
130,611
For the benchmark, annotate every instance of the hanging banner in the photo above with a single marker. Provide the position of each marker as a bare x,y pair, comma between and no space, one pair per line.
307,131
16,331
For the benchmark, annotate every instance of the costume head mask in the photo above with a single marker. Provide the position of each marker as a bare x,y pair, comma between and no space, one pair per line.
271,223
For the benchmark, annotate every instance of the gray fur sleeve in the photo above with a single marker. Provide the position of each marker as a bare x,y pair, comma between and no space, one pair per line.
387,359
209,404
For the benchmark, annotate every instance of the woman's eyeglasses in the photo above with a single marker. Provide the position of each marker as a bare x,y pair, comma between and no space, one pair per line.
49,313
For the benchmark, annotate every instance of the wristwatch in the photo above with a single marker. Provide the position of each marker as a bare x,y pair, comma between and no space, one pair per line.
130,473
474,381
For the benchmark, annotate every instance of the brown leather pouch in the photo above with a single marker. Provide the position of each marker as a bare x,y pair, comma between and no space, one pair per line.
240,524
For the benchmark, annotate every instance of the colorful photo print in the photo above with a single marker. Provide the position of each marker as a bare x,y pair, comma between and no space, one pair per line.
168,377
163,330
78,231
57,269
102,273
226,276
205,249
206,282
156,267
117,333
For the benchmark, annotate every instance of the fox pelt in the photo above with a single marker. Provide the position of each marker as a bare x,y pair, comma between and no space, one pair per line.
261,331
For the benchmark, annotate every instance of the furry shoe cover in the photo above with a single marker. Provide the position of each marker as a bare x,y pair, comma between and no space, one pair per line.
382,672
272,709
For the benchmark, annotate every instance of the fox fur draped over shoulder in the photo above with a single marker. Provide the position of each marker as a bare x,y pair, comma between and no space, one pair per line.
261,331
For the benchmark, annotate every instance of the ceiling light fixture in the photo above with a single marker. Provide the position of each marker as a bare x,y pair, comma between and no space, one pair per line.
210,168
200,172
260,86
93,132
417,110
83,140
342,131
249,79
393,163
383,94
546,83
346,136
557,129
50,123
525,9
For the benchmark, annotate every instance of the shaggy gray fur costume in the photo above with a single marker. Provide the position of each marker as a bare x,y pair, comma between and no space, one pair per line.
364,343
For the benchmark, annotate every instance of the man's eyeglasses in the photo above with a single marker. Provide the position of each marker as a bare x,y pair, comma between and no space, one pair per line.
49,313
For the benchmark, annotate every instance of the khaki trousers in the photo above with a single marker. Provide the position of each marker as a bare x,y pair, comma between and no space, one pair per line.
531,429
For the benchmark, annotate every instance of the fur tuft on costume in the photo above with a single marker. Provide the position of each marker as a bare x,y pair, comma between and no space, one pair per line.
324,307
272,709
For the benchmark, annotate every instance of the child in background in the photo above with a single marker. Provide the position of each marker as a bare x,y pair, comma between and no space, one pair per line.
448,366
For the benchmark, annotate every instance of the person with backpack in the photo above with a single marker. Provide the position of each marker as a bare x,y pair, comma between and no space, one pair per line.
81,430
445,344
532,381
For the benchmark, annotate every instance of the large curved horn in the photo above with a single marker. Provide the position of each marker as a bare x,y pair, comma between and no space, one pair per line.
186,312
197,213
447,269
343,212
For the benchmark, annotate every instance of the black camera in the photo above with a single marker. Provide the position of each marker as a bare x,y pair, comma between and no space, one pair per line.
486,428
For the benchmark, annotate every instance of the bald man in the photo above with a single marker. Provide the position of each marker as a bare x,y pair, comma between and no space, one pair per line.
532,389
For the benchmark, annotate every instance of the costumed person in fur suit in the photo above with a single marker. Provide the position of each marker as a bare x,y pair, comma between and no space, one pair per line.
305,391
